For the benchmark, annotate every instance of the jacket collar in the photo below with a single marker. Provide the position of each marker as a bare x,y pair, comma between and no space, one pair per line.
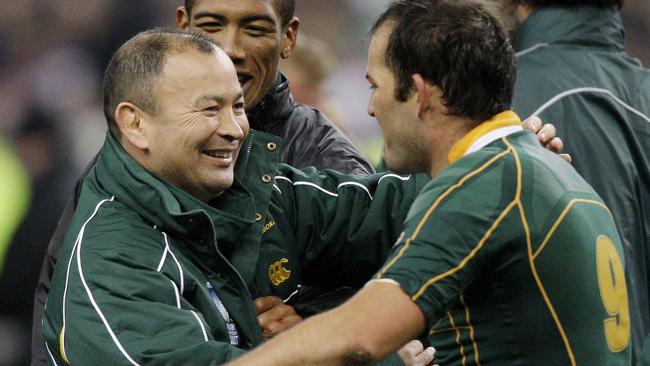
167,207
579,25
274,108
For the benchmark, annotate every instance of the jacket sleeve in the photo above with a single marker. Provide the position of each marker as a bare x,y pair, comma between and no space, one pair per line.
344,226
110,305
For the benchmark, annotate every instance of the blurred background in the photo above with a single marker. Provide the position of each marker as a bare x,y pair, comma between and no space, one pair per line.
51,62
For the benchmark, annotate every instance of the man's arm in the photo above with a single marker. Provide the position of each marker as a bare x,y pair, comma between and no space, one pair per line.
370,326
343,226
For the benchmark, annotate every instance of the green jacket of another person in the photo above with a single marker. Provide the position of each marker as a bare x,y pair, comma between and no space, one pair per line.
574,73
149,275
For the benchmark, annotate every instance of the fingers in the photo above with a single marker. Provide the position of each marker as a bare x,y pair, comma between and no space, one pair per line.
413,354
555,145
264,304
276,327
546,133
275,316
566,157
532,123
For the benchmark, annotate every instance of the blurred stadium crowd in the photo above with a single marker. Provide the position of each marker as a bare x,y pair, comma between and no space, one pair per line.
51,63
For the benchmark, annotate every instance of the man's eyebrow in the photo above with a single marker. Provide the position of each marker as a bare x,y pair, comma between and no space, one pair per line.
217,98
209,98
207,14
222,18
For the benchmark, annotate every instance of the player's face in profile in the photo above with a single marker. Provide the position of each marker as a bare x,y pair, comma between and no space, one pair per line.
195,138
402,141
251,33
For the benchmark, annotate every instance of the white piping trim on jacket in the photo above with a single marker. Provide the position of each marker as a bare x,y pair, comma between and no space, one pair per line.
310,184
531,49
67,274
94,303
205,335
162,259
178,264
277,188
589,90
292,294
402,178
355,184
50,354
178,297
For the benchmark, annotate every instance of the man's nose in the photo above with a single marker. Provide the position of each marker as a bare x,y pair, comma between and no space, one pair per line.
371,109
230,42
231,128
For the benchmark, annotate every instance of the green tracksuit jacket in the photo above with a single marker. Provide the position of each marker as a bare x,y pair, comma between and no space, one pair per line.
150,275
572,71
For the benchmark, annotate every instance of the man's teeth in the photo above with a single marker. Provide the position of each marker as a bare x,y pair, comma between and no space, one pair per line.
219,154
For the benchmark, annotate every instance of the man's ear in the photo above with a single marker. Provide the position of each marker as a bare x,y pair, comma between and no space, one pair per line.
290,37
129,121
424,94
182,18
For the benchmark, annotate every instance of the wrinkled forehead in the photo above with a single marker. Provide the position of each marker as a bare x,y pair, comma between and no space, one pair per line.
239,8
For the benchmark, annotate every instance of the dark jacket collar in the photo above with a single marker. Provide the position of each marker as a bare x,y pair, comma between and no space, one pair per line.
274,108
169,208
580,25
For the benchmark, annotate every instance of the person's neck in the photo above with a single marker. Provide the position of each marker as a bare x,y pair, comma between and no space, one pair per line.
450,129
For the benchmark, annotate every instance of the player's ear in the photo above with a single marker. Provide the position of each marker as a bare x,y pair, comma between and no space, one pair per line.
290,37
129,120
424,92
182,18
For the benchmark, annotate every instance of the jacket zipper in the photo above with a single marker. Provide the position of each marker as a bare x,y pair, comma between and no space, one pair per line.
248,294
248,153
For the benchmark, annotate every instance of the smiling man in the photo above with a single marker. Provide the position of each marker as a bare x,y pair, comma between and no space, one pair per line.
256,34
187,214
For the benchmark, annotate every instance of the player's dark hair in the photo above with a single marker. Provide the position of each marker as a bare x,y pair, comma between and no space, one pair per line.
455,45
287,9
134,69
598,3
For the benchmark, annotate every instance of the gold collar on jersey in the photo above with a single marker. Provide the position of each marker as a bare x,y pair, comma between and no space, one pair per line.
496,127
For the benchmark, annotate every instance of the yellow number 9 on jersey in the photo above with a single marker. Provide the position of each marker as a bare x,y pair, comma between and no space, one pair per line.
613,291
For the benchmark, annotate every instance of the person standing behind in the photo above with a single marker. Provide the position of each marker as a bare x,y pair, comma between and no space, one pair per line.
572,69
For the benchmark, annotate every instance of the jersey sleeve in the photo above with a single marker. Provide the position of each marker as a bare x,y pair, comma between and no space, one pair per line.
453,233
344,226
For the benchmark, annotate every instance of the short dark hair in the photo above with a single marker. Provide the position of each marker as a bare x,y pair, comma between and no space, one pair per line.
287,9
457,46
598,3
134,69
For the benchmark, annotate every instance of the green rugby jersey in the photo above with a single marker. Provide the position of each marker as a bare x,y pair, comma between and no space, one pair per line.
513,258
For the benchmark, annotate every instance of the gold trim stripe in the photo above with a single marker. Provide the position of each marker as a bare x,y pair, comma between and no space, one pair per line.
470,256
462,349
429,212
471,331
529,246
560,219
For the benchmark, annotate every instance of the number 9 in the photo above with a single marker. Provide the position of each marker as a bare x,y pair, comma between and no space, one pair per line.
613,292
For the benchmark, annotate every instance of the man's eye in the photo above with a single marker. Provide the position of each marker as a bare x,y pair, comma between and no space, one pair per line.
212,109
239,107
210,26
257,30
